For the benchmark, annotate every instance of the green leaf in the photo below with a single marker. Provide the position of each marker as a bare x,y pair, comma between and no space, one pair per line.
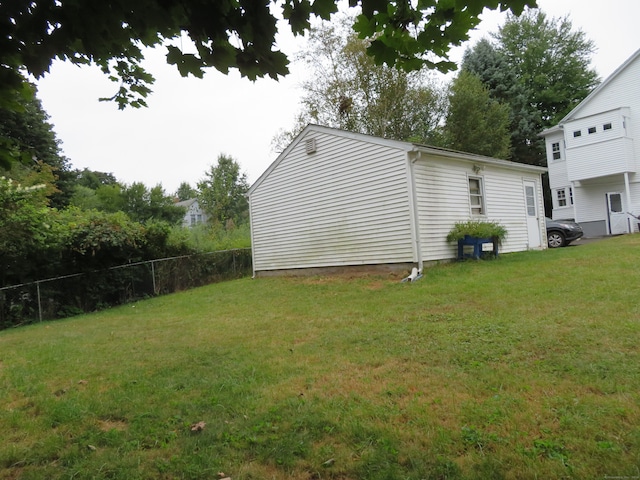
324,8
187,63
364,26
297,12
382,53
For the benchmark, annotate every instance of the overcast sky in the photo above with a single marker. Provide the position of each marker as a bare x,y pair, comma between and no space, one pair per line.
189,122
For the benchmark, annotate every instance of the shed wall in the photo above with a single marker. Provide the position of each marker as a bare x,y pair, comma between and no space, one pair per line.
345,204
442,190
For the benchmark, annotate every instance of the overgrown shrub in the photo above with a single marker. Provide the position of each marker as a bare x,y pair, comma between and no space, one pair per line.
478,229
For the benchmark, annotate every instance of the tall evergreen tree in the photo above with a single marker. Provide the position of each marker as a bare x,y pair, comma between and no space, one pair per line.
492,68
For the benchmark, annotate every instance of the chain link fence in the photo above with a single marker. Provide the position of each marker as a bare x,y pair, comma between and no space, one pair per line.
70,295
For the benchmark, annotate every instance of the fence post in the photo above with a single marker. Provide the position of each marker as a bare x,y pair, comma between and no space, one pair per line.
39,301
153,278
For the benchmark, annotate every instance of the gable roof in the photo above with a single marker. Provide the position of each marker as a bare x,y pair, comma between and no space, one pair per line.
186,203
572,114
400,145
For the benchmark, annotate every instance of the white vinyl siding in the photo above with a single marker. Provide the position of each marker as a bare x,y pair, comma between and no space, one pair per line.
597,163
590,196
345,204
592,199
551,140
605,152
361,200
617,102
620,91
442,194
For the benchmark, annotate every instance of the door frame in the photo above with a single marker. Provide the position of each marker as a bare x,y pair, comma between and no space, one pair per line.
624,218
537,233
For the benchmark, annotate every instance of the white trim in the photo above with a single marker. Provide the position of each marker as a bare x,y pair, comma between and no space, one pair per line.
413,207
482,195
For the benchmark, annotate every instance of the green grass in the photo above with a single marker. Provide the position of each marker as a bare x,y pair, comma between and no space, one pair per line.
522,367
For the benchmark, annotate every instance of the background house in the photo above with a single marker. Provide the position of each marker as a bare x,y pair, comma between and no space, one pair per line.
594,158
337,199
194,214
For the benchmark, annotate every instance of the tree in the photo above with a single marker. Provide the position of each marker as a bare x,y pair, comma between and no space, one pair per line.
84,198
25,225
94,179
110,198
222,192
140,203
475,122
223,35
162,208
29,129
551,59
347,90
541,68
493,69
185,192
27,141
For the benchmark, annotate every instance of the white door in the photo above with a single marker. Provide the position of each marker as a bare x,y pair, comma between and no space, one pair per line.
618,222
533,219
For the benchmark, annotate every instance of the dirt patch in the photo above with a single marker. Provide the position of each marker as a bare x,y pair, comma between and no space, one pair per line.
397,270
108,425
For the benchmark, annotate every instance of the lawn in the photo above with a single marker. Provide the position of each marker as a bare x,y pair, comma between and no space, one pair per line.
522,367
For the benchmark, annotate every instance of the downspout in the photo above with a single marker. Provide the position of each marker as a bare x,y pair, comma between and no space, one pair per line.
253,263
413,209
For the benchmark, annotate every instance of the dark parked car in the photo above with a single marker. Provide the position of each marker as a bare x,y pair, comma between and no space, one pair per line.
562,232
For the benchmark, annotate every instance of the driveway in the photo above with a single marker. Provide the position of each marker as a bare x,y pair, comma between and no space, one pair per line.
586,240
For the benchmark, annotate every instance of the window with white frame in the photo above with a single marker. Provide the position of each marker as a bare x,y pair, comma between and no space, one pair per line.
564,197
476,195
555,148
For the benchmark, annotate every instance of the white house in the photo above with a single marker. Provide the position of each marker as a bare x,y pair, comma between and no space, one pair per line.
340,199
594,156
194,214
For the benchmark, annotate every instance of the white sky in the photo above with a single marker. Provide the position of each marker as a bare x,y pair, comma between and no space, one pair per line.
189,121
